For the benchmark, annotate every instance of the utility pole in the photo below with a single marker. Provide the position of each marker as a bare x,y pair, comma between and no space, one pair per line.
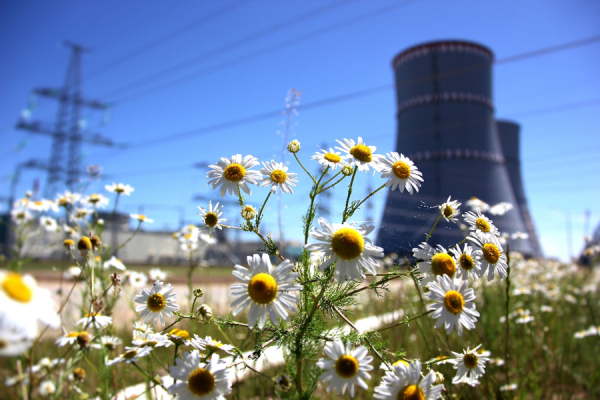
68,126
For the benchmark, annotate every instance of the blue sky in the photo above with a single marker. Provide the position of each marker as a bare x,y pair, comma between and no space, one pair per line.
183,66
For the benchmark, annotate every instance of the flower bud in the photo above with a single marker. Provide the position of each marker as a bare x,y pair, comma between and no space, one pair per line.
204,313
84,245
347,170
83,339
96,242
198,292
69,244
248,212
283,383
79,374
439,378
293,146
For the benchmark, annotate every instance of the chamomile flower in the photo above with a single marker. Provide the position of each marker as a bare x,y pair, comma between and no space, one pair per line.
179,336
199,380
49,224
277,175
450,210
265,289
470,365
12,341
454,304
492,255
156,274
132,354
501,208
405,383
96,200
211,217
71,338
67,199
152,340
115,263
233,173
359,154
47,388
345,367
480,223
156,303
95,320
248,212
141,218
23,304
477,205
436,262
401,172
331,159
208,343
119,188
468,261
110,342
346,245
136,279
142,327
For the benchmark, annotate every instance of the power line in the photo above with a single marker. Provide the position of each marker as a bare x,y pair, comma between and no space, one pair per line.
169,36
370,91
245,57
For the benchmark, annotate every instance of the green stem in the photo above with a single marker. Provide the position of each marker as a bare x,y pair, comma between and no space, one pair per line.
129,239
432,228
406,321
259,216
507,305
308,173
346,216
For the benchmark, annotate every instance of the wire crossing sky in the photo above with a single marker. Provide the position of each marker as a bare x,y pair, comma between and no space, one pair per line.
196,81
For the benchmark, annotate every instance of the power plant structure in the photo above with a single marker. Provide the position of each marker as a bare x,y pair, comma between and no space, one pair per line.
446,126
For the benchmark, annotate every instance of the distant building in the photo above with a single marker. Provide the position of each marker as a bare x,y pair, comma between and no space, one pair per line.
446,126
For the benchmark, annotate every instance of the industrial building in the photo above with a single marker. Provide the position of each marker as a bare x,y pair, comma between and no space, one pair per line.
446,126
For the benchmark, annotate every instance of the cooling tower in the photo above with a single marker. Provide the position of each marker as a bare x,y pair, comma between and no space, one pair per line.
446,126
508,133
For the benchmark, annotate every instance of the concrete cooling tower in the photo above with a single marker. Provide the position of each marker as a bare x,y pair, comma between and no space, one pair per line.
509,133
446,127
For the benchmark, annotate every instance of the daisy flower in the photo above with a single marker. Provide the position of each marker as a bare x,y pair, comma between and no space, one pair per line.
141,218
156,303
468,261
71,338
360,154
436,262
199,380
329,159
179,336
211,217
265,289
20,216
23,304
450,210
276,175
477,205
345,367
110,342
136,279
211,344
293,146
248,212
492,254
97,200
67,199
470,365
401,172
47,388
480,223
234,173
12,342
346,245
152,340
404,382
501,208
142,327
115,263
49,224
132,354
119,188
96,320
156,274
454,304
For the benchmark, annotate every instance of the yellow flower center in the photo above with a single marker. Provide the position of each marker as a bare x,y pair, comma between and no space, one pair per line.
483,225
84,243
346,366
94,198
182,333
234,172
262,288
79,374
120,189
443,264
129,355
448,211
332,157
201,382
278,176
470,360
361,152
347,243
72,334
491,253
466,261
211,219
399,362
401,169
16,289
411,392
454,302
156,302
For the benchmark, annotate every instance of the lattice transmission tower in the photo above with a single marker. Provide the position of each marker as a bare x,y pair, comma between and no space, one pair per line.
68,128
